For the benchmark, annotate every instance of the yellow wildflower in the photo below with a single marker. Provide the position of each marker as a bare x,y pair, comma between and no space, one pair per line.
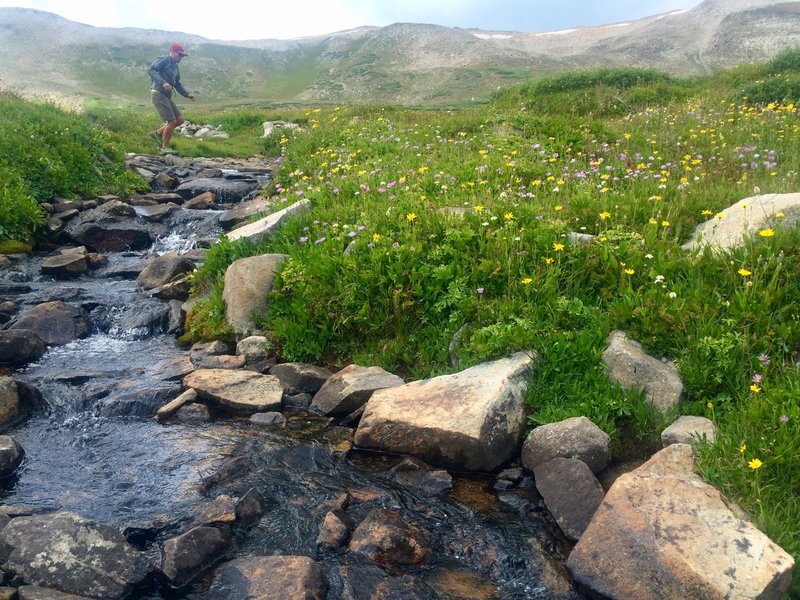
526,280
629,271
376,237
604,215
744,272
754,464
766,232
478,208
411,216
558,247
509,216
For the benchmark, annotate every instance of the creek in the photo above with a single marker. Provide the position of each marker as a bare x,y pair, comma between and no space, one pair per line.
91,450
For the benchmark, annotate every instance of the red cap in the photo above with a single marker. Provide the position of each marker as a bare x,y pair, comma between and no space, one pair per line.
178,49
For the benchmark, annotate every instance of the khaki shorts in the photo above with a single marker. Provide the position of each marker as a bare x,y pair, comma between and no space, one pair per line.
166,107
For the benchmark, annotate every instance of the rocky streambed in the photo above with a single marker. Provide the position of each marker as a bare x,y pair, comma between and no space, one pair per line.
123,481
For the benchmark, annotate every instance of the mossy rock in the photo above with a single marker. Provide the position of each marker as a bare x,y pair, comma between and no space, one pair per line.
15,247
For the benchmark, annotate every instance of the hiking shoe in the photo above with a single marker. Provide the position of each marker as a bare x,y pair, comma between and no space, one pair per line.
156,138
165,151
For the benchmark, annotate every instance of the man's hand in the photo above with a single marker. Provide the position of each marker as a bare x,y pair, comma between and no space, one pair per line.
167,87
191,97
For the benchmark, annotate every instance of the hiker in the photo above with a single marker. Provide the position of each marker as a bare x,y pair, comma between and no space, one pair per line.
166,78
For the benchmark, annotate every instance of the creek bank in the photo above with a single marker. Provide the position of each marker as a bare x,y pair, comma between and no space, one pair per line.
467,421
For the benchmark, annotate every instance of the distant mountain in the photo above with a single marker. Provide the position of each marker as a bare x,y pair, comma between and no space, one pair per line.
403,63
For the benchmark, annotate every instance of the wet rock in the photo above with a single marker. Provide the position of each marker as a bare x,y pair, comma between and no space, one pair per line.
258,230
415,474
248,281
34,592
298,401
164,269
11,454
300,377
576,437
65,266
250,507
451,584
372,583
385,539
269,578
243,211
239,391
170,408
19,347
205,201
71,554
9,400
350,389
224,190
228,471
173,369
688,430
193,413
220,511
176,317
158,212
629,366
335,530
662,532
55,322
571,493
269,419
136,399
191,553
221,361
254,348
471,420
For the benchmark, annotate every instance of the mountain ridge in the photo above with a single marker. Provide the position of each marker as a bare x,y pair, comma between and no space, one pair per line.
401,63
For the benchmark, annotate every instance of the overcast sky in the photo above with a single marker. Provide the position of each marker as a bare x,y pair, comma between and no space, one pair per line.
284,19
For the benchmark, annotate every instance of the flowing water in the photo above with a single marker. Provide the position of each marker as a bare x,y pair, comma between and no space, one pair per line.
135,474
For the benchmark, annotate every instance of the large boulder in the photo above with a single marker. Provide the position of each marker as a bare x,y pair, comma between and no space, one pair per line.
55,322
689,430
111,227
300,377
662,532
225,189
164,269
576,437
191,553
20,346
269,578
350,388
746,218
247,283
240,391
262,228
571,493
385,539
72,554
632,368
470,420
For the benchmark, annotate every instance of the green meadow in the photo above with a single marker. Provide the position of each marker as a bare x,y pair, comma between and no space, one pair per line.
446,236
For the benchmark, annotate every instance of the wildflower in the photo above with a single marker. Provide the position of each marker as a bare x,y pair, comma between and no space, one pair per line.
480,291
557,207
766,233
744,272
672,295
629,271
709,405
659,279
509,216
411,216
756,378
320,240
478,208
784,419
754,464
548,260
706,213
376,237
526,280
558,247
604,215
303,239
755,389
742,448
763,359
719,215
779,214
665,223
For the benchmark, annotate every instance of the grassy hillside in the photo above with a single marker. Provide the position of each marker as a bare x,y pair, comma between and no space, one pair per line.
457,227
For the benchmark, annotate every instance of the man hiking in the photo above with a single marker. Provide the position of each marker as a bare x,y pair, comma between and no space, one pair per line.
166,78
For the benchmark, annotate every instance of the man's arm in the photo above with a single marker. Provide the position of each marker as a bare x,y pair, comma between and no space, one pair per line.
155,71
